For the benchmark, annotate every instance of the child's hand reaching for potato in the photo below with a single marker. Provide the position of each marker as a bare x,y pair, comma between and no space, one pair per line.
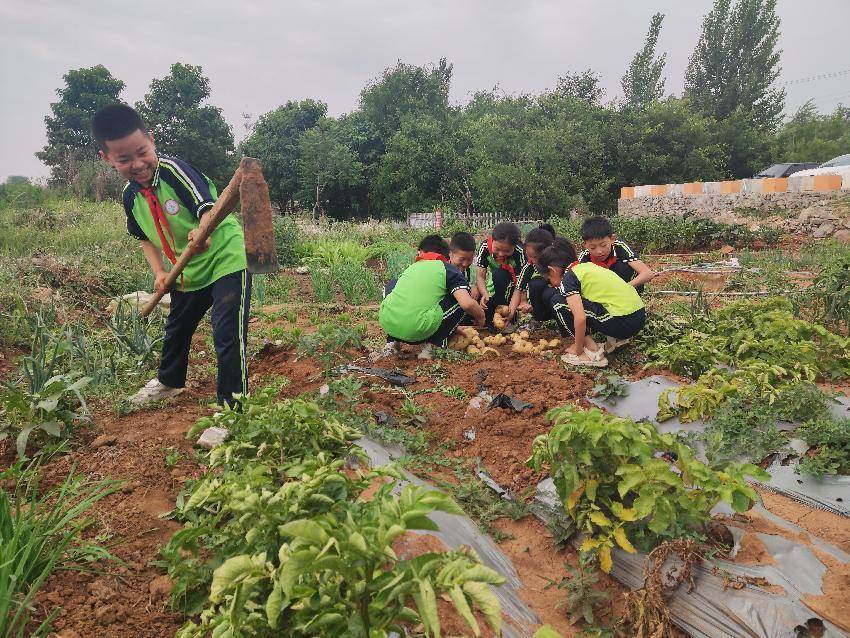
524,307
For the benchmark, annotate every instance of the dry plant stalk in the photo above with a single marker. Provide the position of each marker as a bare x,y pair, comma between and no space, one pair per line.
646,613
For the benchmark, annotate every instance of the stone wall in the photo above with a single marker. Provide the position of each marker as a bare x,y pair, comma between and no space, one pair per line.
813,214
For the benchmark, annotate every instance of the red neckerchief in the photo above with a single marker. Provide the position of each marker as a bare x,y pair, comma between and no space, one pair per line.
159,221
503,264
431,257
609,261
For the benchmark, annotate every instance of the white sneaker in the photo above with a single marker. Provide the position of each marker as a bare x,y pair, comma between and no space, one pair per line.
427,352
389,350
154,390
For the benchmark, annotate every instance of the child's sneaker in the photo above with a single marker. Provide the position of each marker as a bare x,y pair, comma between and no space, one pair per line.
154,390
389,350
427,352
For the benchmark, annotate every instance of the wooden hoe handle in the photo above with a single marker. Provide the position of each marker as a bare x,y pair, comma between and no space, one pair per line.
223,206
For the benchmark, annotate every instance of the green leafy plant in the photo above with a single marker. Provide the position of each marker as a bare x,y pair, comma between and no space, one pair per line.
582,599
799,400
829,293
743,428
609,476
610,387
829,437
411,415
53,410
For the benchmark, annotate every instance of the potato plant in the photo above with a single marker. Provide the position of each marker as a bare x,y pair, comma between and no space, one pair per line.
276,541
614,485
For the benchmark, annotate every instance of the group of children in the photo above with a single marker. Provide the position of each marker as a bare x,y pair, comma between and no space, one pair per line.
597,290
165,200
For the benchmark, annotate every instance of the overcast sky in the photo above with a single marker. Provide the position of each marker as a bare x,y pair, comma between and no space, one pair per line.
260,54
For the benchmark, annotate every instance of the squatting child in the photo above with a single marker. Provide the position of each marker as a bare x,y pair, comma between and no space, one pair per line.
427,302
164,200
589,298
602,248
461,256
503,257
533,293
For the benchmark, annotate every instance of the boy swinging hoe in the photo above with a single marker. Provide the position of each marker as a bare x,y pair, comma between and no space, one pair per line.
174,210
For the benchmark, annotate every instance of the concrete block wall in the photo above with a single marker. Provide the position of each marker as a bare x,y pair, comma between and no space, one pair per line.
815,184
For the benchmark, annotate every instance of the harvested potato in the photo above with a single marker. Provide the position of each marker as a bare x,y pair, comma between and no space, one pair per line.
554,343
473,350
504,311
489,349
469,331
498,322
524,334
458,342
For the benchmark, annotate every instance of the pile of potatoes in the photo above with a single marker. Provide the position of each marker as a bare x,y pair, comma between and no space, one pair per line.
524,346
499,317
467,338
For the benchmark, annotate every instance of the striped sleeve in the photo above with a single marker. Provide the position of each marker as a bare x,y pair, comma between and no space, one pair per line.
191,186
482,255
525,276
624,252
520,253
129,197
584,256
455,280
570,285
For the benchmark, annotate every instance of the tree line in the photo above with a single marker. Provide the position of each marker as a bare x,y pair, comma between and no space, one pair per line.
407,149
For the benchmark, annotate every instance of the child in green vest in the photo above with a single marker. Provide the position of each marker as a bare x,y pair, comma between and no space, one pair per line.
589,298
427,302
502,255
164,200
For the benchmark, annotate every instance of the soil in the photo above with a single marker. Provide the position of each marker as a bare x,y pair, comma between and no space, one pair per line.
129,599
834,604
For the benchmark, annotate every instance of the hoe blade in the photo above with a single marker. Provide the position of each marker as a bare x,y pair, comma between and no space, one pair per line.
260,248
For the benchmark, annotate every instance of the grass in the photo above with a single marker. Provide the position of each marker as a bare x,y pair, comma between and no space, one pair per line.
40,533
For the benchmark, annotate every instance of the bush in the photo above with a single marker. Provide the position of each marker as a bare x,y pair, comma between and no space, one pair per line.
286,235
19,192
618,488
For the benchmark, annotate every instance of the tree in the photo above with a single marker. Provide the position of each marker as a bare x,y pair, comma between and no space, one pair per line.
69,139
275,141
736,62
582,86
812,137
643,83
325,162
183,125
421,169
403,90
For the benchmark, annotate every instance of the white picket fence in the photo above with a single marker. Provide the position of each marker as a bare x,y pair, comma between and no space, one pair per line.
436,220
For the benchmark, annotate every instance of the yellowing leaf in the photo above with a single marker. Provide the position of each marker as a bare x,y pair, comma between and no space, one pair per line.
600,519
589,544
628,514
575,496
592,484
605,562
623,541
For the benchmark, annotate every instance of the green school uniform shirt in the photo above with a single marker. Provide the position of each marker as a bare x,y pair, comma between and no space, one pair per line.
184,194
412,311
602,286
